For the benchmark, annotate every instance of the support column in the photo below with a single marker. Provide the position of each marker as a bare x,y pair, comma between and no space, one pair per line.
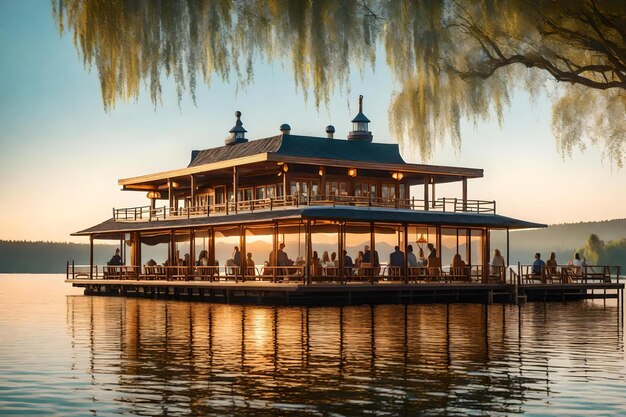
426,182
433,198
406,253
192,248
274,257
211,251
323,183
309,250
170,194
340,256
485,257
90,257
507,247
243,267
193,192
464,193
235,187
372,249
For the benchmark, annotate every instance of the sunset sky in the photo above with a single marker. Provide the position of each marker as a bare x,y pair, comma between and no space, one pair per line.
61,155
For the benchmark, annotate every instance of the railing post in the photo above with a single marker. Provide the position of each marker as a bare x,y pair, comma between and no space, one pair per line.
114,215
271,203
494,206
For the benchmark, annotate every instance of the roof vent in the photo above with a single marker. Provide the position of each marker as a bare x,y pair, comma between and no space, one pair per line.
285,129
237,133
330,131
359,126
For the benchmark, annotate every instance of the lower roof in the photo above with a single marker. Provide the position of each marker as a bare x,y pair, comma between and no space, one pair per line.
350,214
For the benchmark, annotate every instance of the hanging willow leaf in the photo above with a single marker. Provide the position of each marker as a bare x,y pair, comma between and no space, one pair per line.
451,59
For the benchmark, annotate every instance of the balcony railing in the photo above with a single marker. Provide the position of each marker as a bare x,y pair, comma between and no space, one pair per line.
451,205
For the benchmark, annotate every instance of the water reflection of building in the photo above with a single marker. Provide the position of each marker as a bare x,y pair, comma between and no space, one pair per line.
313,194
201,358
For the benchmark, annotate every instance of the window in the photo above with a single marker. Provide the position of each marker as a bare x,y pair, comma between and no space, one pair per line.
388,192
365,189
336,188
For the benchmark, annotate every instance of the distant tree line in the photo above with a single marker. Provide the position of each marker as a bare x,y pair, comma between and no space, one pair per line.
47,257
598,252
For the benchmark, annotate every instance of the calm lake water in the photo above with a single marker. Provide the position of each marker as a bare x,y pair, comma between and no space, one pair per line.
62,353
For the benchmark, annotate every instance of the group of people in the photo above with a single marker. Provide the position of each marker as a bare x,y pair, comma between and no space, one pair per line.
574,266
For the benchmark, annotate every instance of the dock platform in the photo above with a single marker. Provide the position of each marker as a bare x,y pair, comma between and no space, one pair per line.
388,292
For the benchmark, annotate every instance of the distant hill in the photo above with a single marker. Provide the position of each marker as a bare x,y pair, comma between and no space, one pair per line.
563,239
48,257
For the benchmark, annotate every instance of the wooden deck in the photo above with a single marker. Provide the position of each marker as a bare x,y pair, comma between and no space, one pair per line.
323,293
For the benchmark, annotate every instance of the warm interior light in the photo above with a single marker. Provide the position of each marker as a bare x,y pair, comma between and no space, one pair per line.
280,173
174,184
285,167
352,172
321,172
153,195
422,239
397,176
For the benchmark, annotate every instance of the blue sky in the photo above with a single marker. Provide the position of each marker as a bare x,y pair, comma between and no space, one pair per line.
61,155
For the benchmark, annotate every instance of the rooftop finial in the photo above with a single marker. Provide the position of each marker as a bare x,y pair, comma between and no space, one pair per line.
360,130
237,133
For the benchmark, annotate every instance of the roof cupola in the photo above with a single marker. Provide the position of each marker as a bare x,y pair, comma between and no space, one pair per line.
285,129
237,133
360,126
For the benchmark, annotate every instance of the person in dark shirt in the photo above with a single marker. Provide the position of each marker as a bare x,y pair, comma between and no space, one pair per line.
396,262
538,264
237,256
433,251
116,259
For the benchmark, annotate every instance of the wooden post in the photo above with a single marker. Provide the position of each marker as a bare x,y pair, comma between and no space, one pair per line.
406,253
433,198
464,193
235,186
323,183
507,247
426,182
340,252
193,193
485,260
170,194
372,248
243,264
309,250
274,260
90,258
211,239
192,250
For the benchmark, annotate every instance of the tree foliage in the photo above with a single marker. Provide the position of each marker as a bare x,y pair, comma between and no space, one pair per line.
451,59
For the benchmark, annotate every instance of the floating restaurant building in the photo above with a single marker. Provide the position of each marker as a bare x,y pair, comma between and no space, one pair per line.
283,201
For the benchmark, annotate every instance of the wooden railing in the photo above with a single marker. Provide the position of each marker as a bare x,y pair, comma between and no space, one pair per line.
564,274
453,205
293,273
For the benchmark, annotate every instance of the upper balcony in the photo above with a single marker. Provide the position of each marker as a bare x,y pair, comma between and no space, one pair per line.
450,205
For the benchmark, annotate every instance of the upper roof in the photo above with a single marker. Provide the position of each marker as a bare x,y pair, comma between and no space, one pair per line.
304,147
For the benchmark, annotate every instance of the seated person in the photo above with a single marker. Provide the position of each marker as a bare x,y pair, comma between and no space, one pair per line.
396,261
116,259
538,265
457,265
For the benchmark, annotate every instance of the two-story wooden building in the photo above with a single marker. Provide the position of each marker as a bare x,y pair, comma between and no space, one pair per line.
286,200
